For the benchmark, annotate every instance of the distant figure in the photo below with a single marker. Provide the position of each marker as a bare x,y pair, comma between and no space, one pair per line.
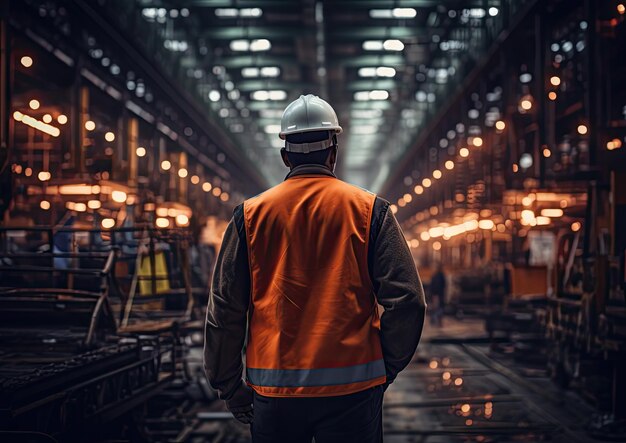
303,265
437,296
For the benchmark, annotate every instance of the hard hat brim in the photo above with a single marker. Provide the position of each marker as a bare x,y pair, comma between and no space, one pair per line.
336,129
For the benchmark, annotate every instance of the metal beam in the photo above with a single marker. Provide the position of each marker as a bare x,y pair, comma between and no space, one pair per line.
369,60
380,32
230,32
255,85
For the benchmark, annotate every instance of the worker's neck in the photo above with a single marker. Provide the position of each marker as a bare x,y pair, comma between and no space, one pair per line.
310,169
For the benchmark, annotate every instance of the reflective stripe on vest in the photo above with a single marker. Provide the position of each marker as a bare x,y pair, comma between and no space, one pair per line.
316,377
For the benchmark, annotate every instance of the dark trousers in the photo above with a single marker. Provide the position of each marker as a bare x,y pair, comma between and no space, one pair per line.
348,418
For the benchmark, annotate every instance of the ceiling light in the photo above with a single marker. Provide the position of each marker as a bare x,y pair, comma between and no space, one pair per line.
367,72
260,45
449,165
251,12
526,160
493,11
500,125
94,204
166,165
552,213
272,129
427,182
464,152
437,174
269,95
404,12
582,129
373,45
393,45
34,104
226,12
214,95
62,119
250,72
385,71
162,222
141,151
26,61
90,125
270,71
485,224
182,220
109,136
182,172
376,94
555,80
239,45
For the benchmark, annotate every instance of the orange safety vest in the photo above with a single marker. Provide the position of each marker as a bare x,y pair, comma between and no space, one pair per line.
314,326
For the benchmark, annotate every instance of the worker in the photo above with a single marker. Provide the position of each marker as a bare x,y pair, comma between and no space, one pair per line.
437,289
299,274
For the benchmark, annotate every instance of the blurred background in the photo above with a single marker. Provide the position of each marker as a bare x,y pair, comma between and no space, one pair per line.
130,129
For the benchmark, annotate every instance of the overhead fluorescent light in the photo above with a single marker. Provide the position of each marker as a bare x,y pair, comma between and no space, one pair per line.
393,13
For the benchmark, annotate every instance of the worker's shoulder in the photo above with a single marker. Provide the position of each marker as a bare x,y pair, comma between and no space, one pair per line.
267,193
350,187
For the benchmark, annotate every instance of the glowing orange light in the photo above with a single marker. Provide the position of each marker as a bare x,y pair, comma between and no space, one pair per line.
418,189
27,61
555,80
552,95
464,152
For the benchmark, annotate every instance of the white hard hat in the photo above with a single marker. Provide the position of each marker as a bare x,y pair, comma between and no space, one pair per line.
309,113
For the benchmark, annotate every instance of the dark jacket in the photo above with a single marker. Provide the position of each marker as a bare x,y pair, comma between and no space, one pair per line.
396,283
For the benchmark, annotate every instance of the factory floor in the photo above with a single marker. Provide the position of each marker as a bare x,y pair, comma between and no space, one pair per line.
457,389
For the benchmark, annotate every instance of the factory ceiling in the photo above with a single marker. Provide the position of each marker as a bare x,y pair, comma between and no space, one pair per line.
386,66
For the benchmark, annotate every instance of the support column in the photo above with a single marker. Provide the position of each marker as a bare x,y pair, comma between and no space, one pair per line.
80,115
5,107
132,144
182,181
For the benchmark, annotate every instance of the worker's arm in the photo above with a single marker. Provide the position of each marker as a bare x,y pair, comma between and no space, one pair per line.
398,289
226,323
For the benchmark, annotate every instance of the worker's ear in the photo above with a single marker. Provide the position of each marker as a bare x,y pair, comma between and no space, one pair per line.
283,154
332,158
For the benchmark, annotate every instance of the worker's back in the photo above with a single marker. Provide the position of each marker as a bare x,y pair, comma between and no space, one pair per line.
314,327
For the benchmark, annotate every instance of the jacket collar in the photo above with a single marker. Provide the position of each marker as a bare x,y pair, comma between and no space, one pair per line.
311,169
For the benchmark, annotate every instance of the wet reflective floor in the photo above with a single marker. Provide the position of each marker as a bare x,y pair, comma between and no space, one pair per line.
457,389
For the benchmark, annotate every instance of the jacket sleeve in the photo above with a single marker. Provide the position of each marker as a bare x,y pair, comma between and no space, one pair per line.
226,318
399,290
